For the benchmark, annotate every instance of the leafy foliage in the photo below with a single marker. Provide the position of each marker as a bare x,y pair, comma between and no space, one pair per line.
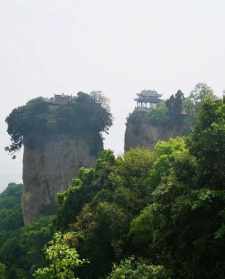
201,93
2,271
207,143
61,259
102,205
83,189
10,211
21,250
175,105
20,247
159,115
131,269
164,206
183,227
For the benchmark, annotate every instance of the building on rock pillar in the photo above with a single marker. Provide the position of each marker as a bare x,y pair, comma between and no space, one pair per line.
147,99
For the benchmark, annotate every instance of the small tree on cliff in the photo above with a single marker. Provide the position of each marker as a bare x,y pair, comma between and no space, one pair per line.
198,96
175,105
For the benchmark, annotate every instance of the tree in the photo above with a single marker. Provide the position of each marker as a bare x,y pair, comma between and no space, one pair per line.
83,189
198,96
179,103
165,153
201,92
175,105
2,271
21,249
170,105
184,231
11,218
62,260
159,115
207,144
131,269
102,205
183,227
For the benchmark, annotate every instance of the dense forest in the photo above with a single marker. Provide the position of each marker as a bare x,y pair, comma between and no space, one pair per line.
151,214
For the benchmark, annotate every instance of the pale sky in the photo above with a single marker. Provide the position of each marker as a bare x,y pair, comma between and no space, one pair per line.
117,46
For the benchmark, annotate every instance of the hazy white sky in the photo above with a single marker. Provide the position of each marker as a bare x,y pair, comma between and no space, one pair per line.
117,46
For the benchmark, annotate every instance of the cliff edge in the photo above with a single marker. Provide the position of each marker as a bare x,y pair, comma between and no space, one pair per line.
142,132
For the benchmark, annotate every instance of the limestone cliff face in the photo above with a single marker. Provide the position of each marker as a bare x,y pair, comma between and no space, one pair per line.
49,169
143,133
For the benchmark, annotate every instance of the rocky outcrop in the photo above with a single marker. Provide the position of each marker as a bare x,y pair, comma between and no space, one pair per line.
141,132
49,169
59,135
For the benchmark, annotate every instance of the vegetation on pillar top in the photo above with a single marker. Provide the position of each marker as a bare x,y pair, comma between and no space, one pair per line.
85,115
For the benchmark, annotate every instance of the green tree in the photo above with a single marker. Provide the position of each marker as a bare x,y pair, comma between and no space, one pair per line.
207,144
21,249
201,92
102,206
179,103
193,103
131,269
2,271
175,105
159,115
11,218
83,189
183,227
62,260
165,153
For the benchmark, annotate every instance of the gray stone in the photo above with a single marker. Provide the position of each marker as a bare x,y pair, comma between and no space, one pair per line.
50,169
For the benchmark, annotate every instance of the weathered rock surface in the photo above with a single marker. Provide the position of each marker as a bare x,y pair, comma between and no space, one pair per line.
49,169
142,133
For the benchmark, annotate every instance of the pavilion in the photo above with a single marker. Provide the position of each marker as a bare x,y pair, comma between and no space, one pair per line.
147,99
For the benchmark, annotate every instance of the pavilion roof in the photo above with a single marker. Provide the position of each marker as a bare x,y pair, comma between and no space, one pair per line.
148,96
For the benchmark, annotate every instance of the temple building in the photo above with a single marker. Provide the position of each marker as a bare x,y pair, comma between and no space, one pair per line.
61,99
147,99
